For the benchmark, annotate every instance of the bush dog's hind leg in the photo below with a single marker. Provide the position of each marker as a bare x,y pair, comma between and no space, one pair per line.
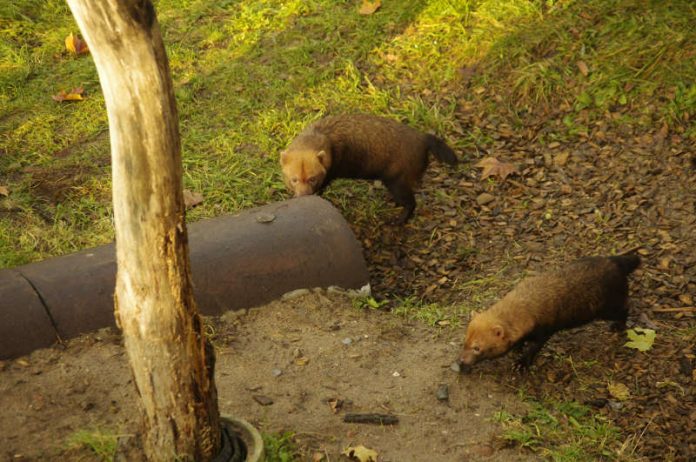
619,321
403,196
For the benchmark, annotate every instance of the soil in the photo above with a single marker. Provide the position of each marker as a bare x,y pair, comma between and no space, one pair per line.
283,367
469,242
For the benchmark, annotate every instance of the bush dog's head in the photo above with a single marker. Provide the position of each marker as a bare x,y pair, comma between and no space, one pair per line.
485,338
304,170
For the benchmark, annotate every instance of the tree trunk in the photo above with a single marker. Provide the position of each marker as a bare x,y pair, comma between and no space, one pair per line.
154,304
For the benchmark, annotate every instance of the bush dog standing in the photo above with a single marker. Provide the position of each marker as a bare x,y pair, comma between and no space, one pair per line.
587,289
362,146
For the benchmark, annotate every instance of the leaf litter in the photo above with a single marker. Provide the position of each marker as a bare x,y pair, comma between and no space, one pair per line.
611,190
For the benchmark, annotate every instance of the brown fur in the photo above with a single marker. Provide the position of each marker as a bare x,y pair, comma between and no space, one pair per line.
587,289
361,146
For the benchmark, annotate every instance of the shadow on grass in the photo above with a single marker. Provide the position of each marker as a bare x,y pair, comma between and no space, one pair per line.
627,61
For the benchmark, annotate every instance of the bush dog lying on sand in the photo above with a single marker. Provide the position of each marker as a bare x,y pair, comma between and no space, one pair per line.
587,289
362,146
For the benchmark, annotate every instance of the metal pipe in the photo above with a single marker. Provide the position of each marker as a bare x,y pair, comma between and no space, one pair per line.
237,261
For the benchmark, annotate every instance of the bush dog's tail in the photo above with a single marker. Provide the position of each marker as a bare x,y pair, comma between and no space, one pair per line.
626,263
443,152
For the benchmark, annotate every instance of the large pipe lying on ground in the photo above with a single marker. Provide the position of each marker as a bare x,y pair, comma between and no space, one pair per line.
237,261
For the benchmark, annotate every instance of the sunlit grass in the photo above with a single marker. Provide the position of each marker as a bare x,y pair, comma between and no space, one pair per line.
102,444
249,75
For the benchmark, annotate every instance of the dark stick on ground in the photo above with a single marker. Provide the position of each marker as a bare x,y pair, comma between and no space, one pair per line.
379,419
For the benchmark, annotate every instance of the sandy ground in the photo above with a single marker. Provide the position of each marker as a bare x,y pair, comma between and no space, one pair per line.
303,354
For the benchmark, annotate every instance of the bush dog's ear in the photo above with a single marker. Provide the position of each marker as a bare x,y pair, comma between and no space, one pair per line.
498,331
283,157
324,159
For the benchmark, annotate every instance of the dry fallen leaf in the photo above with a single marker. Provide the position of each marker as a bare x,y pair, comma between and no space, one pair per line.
75,44
4,191
493,167
192,199
262,400
369,6
336,404
561,158
663,263
361,453
619,391
582,66
640,339
73,95
317,457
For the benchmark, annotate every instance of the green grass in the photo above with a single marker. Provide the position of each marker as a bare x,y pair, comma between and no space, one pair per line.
565,432
431,314
102,444
368,303
280,448
415,309
639,55
249,75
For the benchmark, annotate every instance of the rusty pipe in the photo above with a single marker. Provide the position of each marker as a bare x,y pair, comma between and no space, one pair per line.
237,261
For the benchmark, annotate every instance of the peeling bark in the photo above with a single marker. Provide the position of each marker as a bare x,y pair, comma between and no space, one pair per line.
154,301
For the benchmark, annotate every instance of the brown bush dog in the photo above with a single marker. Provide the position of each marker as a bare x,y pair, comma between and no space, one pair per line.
587,289
362,146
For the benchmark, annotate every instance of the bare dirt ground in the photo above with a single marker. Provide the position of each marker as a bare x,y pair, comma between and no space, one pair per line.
302,355
469,242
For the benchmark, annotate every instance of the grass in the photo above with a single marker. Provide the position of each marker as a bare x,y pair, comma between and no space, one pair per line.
565,432
280,447
431,314
102,444
638,57
416,309
249,75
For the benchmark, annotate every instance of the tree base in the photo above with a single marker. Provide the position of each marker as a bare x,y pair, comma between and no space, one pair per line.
241,442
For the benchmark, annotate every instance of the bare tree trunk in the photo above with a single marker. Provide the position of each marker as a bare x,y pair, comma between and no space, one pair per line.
154,302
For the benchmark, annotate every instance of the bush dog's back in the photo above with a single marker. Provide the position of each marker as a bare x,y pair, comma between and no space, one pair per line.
587,289
362,146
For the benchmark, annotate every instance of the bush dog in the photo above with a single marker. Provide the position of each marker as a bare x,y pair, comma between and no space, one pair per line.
587,289
362,146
